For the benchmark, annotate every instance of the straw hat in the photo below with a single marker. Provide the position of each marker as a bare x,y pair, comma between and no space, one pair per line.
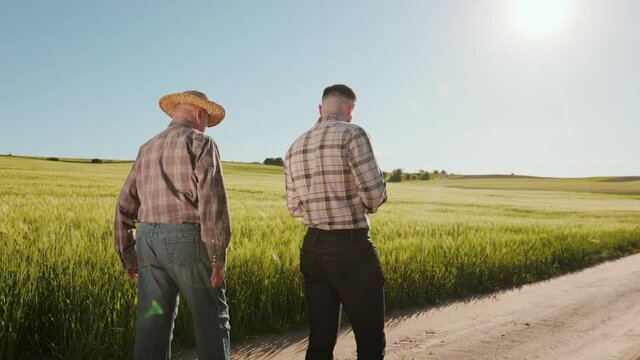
193,97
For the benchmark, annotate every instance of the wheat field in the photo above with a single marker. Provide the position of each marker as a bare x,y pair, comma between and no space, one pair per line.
64,295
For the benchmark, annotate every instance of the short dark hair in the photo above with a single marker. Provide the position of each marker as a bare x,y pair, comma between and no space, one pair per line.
339,89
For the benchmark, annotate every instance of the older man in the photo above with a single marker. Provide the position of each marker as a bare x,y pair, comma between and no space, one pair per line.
333,181
176,192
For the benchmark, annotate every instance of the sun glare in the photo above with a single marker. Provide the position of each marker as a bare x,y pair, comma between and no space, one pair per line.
539,16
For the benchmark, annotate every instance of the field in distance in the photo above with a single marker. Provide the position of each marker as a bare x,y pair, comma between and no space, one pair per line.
610,184
63,293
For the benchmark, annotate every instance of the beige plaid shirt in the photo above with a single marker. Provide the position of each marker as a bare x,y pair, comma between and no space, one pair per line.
176,178
332,177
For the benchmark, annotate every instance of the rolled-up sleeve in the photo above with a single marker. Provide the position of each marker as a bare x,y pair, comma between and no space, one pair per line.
124,224
364,167
213,209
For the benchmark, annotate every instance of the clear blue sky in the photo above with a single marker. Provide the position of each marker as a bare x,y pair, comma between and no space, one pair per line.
466,86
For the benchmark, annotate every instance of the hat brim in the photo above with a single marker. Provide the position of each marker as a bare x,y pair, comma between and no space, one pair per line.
215,111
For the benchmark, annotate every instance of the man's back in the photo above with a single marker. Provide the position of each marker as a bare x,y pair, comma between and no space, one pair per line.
165,166
333,179
176,179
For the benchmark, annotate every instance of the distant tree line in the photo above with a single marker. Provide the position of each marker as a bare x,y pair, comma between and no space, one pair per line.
398,175
274,161
93,161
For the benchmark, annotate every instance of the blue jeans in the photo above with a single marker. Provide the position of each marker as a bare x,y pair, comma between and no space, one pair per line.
172,258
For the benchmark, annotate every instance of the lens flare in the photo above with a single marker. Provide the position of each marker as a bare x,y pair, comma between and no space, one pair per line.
155,309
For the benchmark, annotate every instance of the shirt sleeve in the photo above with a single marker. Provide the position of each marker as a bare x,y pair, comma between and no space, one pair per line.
294,204
368,177
126,214
213,210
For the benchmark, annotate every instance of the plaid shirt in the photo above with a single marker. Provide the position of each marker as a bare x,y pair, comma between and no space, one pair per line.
332,177
176,178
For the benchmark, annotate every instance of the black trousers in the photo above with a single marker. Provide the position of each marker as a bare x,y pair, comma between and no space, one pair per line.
342,266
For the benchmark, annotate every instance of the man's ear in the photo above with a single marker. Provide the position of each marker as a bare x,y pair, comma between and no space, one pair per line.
201,118
320,109
351,107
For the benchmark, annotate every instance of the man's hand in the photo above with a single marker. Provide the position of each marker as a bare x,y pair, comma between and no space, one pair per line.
217,276
131,264
131,273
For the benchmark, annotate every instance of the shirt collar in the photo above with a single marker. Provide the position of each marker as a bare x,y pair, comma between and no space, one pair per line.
178,122
330,117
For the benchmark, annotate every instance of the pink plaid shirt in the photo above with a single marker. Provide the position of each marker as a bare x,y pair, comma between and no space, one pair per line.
176,178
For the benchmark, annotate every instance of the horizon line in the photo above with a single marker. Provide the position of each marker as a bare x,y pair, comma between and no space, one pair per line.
453,174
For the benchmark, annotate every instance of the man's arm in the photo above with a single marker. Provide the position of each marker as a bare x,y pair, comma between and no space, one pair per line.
126,214
215,224
369,178
294,205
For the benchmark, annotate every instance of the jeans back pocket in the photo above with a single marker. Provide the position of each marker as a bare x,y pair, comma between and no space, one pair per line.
182,250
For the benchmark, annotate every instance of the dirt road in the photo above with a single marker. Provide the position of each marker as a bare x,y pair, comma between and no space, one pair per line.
592,314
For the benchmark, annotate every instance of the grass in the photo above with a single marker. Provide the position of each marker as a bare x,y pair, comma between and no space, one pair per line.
63,294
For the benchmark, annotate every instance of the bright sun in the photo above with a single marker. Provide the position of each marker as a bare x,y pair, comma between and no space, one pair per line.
539,16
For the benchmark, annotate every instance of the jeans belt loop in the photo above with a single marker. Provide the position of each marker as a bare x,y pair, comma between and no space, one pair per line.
312,233
316,235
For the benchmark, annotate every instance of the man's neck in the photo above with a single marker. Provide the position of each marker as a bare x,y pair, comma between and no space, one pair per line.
188,122
334,117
